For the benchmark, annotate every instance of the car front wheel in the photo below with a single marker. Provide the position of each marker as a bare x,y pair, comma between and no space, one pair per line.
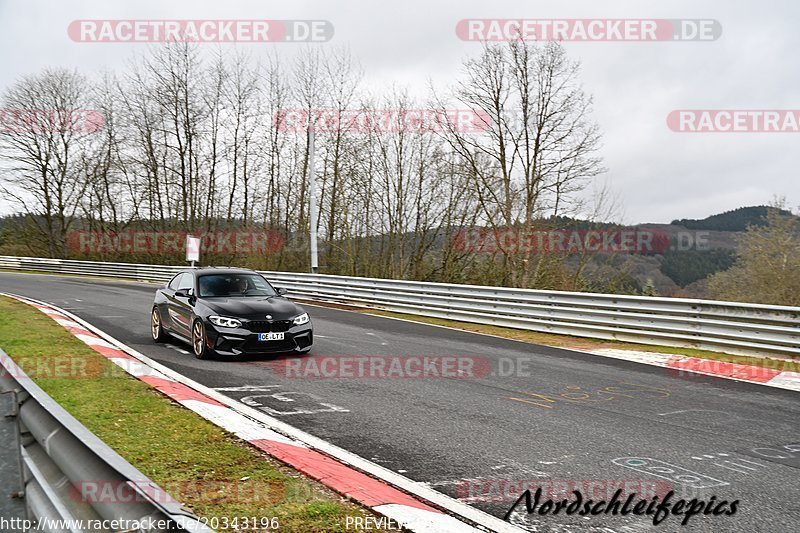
199,348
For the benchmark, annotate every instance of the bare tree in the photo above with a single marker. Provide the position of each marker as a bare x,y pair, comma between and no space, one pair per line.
50,128
194,141
539,147
341,79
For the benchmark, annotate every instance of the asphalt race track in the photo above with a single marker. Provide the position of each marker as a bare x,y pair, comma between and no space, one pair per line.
542,415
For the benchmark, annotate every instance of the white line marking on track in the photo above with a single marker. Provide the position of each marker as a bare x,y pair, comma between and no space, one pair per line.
688,411
289,397
239,425
742,469
247,388
179,350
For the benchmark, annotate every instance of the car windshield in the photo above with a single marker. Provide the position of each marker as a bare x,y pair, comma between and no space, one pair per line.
234,285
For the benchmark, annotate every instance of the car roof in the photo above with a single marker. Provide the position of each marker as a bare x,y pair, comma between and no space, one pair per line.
221,270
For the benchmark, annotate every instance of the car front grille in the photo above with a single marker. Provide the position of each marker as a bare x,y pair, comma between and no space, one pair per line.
266,326
253,346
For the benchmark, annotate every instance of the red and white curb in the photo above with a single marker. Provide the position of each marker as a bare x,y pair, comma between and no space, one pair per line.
708,367
412,505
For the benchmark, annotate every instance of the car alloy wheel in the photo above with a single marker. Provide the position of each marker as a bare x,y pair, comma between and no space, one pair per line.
199,341
157,332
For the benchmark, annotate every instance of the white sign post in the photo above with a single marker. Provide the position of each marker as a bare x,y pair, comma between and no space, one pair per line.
312,200
192,249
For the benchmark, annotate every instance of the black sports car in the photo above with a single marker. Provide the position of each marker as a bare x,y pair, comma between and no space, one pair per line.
229,312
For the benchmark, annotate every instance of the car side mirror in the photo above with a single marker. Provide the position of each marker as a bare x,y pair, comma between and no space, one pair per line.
183,293
281,290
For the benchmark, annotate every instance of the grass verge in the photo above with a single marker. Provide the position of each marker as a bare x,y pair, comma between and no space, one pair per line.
211,471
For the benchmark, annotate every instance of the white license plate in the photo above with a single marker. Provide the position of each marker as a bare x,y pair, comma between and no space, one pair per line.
272,336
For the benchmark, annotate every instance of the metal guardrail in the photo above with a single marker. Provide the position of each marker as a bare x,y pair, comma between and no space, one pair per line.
60,458
737,328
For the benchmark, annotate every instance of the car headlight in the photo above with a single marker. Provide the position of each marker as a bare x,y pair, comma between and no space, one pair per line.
301,319
225,322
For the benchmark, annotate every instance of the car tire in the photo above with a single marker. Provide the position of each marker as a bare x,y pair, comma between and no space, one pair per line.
199,347
156,328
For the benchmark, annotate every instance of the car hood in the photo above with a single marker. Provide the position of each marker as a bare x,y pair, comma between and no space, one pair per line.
254,307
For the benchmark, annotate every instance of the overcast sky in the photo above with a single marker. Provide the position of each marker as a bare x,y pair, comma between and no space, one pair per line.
659,174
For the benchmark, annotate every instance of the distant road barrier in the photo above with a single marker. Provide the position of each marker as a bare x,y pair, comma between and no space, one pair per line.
737,328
